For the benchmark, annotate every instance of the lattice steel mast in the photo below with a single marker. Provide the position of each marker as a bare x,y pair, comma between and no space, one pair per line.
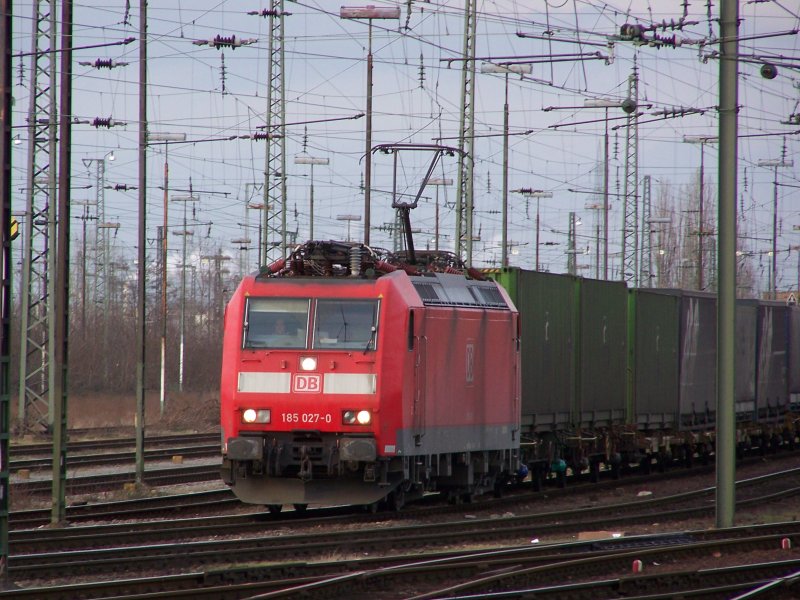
466,138
647,235
274,231
630,228
101,237
38,266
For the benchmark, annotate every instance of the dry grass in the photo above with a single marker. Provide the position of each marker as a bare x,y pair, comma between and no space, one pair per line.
182,411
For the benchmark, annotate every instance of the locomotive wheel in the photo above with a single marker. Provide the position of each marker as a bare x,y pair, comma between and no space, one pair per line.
499,487
301,508
397,499
274,509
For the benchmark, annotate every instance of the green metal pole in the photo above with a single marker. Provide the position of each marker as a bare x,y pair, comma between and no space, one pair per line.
5,284
726,292
504,253
141,294
61,301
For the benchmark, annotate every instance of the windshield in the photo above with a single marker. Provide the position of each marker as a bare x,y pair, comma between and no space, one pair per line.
347,324
276,323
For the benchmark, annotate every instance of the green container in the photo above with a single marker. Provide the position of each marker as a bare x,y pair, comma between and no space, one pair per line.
772,393
744,350
603,352
794,354
548,320
654,352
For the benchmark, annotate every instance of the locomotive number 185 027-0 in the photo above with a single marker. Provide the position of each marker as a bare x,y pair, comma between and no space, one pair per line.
306,418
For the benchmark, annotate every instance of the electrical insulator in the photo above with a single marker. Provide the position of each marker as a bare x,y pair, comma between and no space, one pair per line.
224,41
265,13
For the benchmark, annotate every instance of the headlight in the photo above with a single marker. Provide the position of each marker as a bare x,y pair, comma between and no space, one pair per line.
356,417
308,363
251,415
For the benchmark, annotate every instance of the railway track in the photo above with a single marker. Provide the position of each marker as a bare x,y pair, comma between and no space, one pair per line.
46,448
137,508
150,550
477,572
100,482
30,458
212,501
750,491
118,450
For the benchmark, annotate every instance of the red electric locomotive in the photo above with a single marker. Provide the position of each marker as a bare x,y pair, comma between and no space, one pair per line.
351,377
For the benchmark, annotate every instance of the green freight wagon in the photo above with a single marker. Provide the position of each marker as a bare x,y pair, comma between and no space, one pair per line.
794,357
573,356
673,359
772,394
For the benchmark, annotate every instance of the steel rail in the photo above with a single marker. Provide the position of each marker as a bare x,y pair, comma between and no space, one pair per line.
279,547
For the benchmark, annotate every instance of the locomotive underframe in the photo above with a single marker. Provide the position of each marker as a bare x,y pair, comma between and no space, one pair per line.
303,467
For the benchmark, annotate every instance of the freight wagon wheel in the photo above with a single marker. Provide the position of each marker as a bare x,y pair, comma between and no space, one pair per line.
454,498
537,478
688,456
594,471
274,508
301,508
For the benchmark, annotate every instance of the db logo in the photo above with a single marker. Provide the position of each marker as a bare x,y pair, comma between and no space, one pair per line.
306,383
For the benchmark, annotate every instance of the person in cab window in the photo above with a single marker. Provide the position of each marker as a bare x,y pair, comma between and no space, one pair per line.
280,327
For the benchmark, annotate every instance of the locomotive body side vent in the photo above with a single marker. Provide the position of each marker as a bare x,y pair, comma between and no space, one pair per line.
428,293
490,296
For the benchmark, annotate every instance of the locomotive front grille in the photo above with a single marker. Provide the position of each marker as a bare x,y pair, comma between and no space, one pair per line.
307,446
305,454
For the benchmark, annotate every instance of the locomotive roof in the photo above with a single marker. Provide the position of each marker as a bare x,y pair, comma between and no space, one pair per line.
440,278
447,290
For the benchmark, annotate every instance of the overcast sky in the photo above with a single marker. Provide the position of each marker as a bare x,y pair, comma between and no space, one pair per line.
416,99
